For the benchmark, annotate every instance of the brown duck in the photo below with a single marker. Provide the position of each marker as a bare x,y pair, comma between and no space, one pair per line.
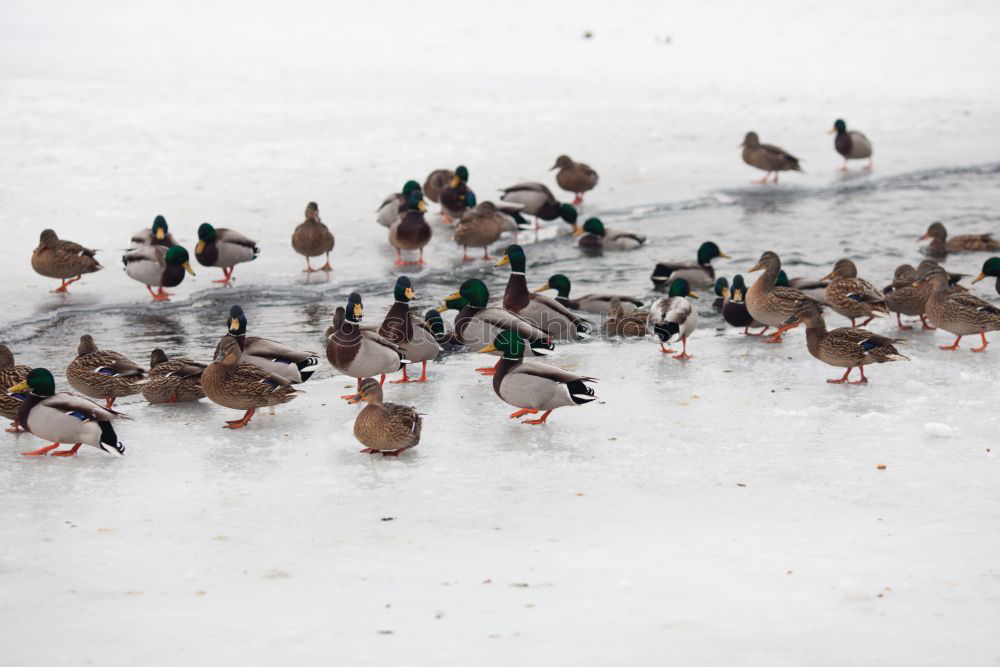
941,245
959,313
770,304
479,227
103,373
312,238
575,177
384,427
768,158
851,296
456,196
436,181
626,323
10,375
173,380
54,258
411,231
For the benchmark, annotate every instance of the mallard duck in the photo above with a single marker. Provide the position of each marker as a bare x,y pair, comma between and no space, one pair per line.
768,303
699,274
596,237
62,259
223,248
534,386
852,144
312,238
456,197
479,227
511,218
673,318
539,201
11,375
941,245
396,204
443,334
903,298
410,334
734,308
356,352
814,289
845,347
294,365
157,265
103,373
64,417
575,177
768,158
241,386
721,291
626,322
599,304
411,231
173,380
542,311
851,296
158,234
384,427
991,269
959,313
435,182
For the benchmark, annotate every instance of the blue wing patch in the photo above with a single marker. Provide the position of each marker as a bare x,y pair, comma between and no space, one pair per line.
103,370
867,345
79,415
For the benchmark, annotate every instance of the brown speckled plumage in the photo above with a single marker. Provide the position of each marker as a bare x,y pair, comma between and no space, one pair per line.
851,296
575,177
241,386
384,427
103,373
54,258
941,245
173,380
10,375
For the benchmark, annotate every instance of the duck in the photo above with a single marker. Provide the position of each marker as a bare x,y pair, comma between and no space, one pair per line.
768,303
941,245
411,231
673,318
443,334
294,365
388,428
408,332
157,265
721,291
435,182
64,417
596,237
511,219
533,386
103,373
538,201
959,313
158,234
846,347
11,374
239,385
312,238
598,304
456,196
991,269
734,308
396,204
542,311
851,144
851,296
66,260
698,274
478,227
903,298
814,289
626,322
767,158
173,380
575,177
223,248
357,352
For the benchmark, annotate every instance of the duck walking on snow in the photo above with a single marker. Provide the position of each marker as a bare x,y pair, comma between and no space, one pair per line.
851,144
770,159
674,318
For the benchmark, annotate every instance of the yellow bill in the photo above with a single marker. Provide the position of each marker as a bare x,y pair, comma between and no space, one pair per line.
543,288
489,348
21,386
504,261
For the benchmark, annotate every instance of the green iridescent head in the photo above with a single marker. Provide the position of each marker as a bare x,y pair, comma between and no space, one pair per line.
514,255
159,228
510,344
991,267
474,291
462,173
782,279
709,251
39,380
355,309
722,287
409,187
434,320
680,287
177,256
840,126
558,282
568,213
594,226
403,291
206,233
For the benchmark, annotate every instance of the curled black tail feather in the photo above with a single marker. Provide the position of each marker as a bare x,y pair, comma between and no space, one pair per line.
580,392
110,438
666,330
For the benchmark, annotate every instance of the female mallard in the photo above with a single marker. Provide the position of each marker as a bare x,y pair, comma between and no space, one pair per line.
991,269
544,312
224,248
534,386
294,365
959,313
674,318
539,201
596,237
238,385
356,352
384,427
814,289
411,231
768,158
852,145
769,304
395,204
721,291
903,298
62,259
10,375
456,196
699,274
157,265
173,380
64,417
851,296
845,347
410,334
575,177
626,323
158,234
479,227
312,238
941,245
734,308
599,304
436,182
103,373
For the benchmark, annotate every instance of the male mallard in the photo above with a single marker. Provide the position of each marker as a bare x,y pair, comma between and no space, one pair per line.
626,323
542,311
851,296
721,291
312,238
851,144
597,237
673,318
294,365
941,245
456,196
479,227
223,248
157,265
991,268
768,158
700,274
173,380
599,304
534,386
62,259
410,334
443,334
575,177
436,182
354,351
734,308
411,231
158,234
539,201
959,313
241,386
845,347
768,303
64,417
395,204
384,427
10,375
103,373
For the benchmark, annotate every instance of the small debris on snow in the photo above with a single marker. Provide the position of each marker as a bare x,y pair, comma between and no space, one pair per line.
388,518
880,466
